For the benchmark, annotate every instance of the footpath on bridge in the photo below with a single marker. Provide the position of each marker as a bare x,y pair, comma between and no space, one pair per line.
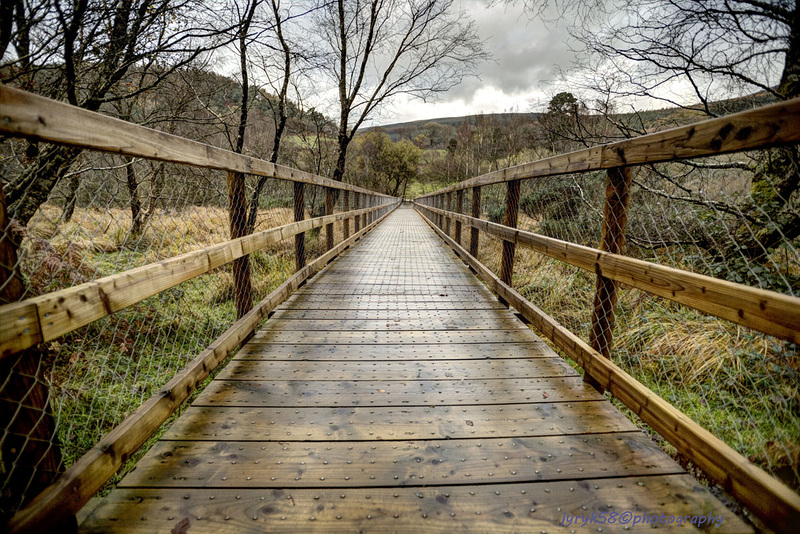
394,393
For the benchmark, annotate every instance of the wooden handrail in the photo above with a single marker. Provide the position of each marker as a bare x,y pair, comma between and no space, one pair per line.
73,488
49,316
28,115
764,127
774,503
769,312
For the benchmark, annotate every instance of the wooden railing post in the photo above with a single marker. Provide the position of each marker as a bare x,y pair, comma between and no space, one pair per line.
365,204
346,222
512,209
299,215
459,209
329,207
476,212
615,218
449,208
242,285
357,202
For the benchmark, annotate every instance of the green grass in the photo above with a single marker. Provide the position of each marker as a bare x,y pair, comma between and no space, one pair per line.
742,386
101,373
416,189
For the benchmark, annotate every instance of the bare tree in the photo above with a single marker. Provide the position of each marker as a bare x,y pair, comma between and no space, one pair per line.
379,49
81,51
703,56
276,66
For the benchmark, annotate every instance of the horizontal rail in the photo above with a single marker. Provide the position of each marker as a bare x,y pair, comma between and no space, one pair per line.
765,127
44,318
25,114
769,312
73,489
774,503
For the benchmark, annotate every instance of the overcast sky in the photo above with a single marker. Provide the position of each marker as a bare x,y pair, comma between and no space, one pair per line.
525,53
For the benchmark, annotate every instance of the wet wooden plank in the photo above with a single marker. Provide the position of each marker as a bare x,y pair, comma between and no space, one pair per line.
437,422
456,283
355,325
409,337
295,352
487,508
221,464
394,393
394,315
444,509
340,303
389,370
442,297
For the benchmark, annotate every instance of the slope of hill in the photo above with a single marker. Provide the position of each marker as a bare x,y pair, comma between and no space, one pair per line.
654,118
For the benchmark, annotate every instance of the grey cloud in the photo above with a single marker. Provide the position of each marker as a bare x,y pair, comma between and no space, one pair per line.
524,52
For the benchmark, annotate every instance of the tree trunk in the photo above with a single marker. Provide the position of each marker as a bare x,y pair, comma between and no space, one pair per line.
32,188
156,185
72,197
338,172
777,180
133,191
31,457
243,289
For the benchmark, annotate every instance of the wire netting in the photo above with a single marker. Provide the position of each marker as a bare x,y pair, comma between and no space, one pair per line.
722,217
110,215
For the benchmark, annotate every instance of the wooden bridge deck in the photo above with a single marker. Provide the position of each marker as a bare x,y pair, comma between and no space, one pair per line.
393,392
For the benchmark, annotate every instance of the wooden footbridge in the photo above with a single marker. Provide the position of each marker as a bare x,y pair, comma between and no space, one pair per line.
390,390
393,392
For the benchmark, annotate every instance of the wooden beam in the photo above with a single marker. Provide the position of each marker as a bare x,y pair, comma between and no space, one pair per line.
449,202
357,224
36,117
476,213
66,310
764,127
459,209
509,247
769,312
329,208
79,483
774,503
615,219
346,222
299,215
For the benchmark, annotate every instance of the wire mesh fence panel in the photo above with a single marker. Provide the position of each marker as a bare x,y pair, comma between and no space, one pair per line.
719,217
111,215
708,217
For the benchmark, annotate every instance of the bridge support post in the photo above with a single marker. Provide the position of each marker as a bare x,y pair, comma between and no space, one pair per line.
476,212
346,222
615,219
299,215
242,284
357,218
364,204
459,209
329,208
509,248
447,217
